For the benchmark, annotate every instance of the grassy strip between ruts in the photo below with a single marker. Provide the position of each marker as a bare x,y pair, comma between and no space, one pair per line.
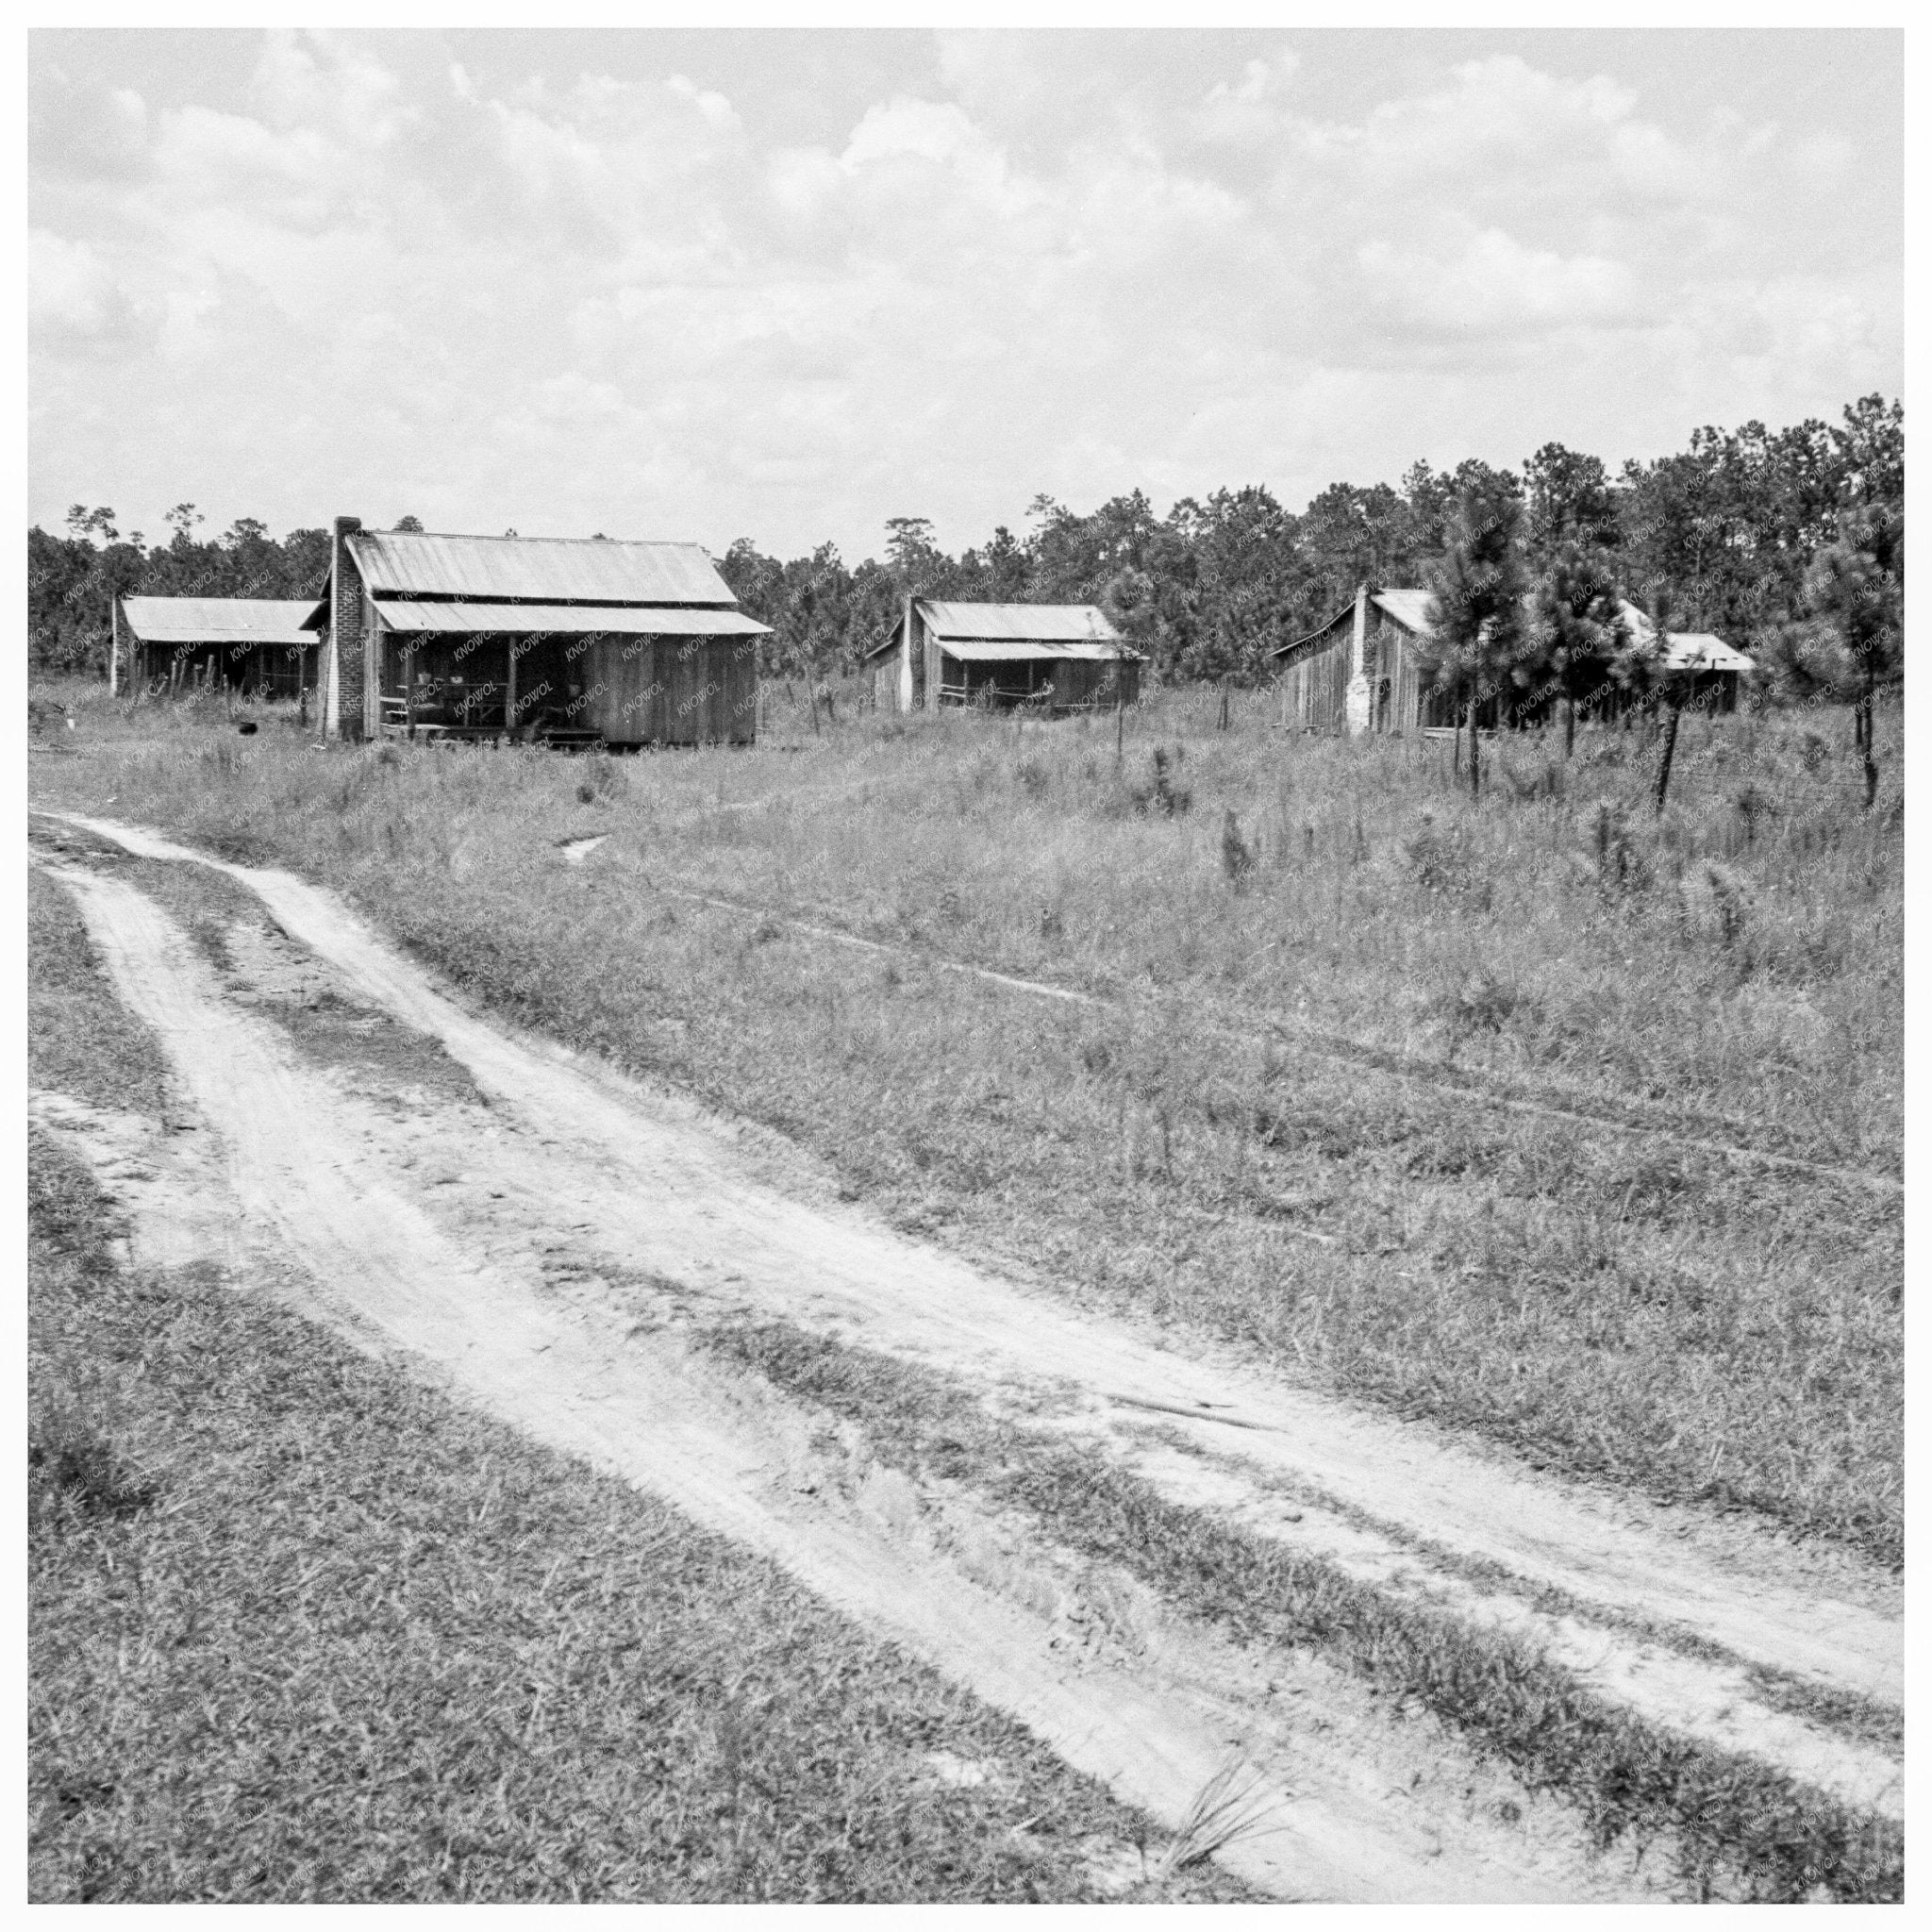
302,1630
82,1041
1739,1829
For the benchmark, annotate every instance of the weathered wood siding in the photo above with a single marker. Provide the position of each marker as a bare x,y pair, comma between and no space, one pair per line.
674,691
1396,675
928,673
1089,681
634,690
1314,678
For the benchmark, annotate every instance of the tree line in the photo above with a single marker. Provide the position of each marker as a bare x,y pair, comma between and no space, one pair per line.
72,581
1788,543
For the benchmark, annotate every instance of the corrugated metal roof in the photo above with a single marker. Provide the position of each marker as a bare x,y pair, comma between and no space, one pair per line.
1699,650
218,620
1689,650
1409,608
574,619
556,570
1027,623
1019,650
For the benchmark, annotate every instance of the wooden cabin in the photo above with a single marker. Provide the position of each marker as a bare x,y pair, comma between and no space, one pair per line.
555,641
1061,656
1363,671
1366,670
255,645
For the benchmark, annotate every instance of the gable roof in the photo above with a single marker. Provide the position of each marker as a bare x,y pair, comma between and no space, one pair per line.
218,620
1017,649
1409,608
1009,631
1064,624
1689,650
548,570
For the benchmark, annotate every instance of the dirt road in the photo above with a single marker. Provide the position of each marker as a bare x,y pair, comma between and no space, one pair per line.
545,1251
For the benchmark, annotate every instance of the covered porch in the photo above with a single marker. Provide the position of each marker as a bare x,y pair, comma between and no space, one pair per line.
1000,674
483,687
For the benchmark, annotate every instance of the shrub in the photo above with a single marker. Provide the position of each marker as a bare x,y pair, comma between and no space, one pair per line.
1440,859
1163,795
1237,857
1621,866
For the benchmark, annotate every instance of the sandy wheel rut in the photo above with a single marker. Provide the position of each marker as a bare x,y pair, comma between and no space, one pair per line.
452,1237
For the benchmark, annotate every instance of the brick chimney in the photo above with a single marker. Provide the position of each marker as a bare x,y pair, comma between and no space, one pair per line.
342,686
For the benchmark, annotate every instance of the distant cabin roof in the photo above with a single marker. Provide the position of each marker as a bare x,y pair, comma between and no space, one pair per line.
995,632
1689,650
548,570
1686,650
218,620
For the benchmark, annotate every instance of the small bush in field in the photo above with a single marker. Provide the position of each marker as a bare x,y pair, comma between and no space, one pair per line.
1715,902
1237,857
1621,866
1751,804
1163,795
601,780
1484,1003
1439,858
1540,781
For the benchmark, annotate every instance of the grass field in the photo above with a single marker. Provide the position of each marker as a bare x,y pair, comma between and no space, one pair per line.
1282,1120
300,1629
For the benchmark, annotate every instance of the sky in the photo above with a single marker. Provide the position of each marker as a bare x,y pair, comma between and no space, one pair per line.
786,285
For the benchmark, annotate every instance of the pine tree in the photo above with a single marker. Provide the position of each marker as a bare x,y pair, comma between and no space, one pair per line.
1578,625
1851,588
1475,604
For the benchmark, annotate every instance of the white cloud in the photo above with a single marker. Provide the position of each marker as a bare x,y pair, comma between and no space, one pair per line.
1490,283
1252,110
75,303
713,107
626,301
